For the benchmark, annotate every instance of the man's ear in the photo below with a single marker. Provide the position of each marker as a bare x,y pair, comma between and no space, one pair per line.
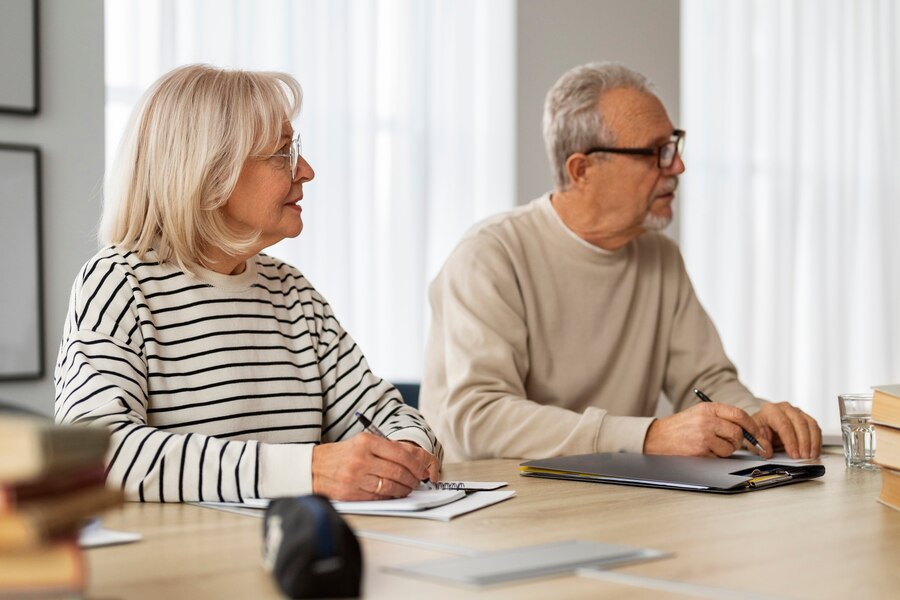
576,167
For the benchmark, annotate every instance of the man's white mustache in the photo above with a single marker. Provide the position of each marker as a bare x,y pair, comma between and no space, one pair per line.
670,186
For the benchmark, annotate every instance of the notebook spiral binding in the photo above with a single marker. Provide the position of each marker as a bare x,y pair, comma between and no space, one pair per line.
449,485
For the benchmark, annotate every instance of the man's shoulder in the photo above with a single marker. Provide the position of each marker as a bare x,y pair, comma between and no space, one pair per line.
658,243
513,224
658,251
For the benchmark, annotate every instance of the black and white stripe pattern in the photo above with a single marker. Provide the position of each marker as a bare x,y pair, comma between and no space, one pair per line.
215,387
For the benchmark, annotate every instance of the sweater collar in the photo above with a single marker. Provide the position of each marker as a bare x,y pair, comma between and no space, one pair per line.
561,234
231,283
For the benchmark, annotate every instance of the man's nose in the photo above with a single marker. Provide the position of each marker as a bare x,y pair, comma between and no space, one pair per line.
677,166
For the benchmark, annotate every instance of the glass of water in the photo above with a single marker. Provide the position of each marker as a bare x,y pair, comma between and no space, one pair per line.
857,430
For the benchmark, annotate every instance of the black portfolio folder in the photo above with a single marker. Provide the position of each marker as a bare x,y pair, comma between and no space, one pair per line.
720,475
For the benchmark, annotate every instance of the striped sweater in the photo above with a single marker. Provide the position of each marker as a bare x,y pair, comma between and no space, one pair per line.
215,387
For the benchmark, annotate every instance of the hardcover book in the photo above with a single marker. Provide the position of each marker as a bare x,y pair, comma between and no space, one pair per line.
31,448
56,568
40,521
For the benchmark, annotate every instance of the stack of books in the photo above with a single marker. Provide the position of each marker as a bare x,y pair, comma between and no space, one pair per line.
52,480
886,416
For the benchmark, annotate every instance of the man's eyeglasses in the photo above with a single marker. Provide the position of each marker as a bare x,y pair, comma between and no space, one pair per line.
665,154
291,158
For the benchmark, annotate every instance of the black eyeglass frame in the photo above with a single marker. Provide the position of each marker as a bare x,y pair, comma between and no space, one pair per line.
664,161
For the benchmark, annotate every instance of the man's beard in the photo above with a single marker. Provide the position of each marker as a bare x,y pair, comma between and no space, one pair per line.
655,222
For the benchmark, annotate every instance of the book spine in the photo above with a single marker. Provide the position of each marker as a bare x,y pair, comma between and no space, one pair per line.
59,515
885,408
13,496
56,568
30,448
66,447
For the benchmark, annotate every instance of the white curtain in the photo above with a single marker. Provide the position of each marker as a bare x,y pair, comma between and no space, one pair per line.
790,220
407,119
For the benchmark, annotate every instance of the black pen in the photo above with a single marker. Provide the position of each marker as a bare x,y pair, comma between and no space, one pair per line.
747,435
370,427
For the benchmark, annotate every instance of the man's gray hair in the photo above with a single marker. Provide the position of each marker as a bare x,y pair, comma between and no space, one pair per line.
572,120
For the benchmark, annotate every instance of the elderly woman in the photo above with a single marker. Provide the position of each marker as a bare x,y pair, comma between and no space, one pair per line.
221,372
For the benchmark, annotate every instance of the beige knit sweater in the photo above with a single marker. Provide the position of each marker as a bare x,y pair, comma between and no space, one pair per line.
543,345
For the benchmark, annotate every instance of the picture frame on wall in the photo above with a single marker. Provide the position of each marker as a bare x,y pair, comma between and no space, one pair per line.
19,65
21,270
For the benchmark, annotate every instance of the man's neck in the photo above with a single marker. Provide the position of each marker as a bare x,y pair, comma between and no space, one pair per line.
579,214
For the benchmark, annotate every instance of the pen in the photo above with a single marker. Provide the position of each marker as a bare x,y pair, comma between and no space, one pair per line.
370,427
747,435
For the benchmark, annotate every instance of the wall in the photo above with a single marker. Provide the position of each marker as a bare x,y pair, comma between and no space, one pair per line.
69,130
556,35
552,36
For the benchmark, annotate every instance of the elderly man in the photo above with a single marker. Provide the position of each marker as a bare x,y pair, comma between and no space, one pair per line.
557,325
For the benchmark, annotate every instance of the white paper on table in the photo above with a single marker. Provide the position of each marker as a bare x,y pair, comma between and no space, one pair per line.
94,535
778,457
472,501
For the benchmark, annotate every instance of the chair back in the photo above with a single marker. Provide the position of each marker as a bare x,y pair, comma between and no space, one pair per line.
410,392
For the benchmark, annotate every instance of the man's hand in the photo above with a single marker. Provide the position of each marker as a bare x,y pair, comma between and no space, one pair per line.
788,426
368,467
706,429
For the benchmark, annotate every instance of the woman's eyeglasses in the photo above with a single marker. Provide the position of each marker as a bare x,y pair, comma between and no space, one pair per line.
291,158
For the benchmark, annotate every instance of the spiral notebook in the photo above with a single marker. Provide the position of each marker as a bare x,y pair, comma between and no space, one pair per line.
435,504
417,500
468,486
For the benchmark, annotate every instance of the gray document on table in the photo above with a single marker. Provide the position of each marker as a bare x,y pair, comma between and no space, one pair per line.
527,562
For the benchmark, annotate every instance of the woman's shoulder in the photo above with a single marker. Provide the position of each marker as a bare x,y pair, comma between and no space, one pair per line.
116,272
273,268
279,275
112,278
109,255
114,262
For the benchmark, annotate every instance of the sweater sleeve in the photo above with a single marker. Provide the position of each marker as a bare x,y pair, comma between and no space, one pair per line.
696,357
102,378
349,386
480,342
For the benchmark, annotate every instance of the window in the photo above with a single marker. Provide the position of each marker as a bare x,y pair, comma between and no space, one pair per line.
407,119
789,210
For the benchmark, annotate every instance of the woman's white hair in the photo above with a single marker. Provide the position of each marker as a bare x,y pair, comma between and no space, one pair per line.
572,119
181,155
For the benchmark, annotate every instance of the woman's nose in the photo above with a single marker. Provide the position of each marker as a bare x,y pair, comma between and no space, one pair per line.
304,171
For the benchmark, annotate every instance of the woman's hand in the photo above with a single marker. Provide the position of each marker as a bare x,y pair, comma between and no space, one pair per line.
368,467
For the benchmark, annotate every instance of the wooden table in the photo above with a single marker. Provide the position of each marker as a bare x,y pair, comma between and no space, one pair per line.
825,538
